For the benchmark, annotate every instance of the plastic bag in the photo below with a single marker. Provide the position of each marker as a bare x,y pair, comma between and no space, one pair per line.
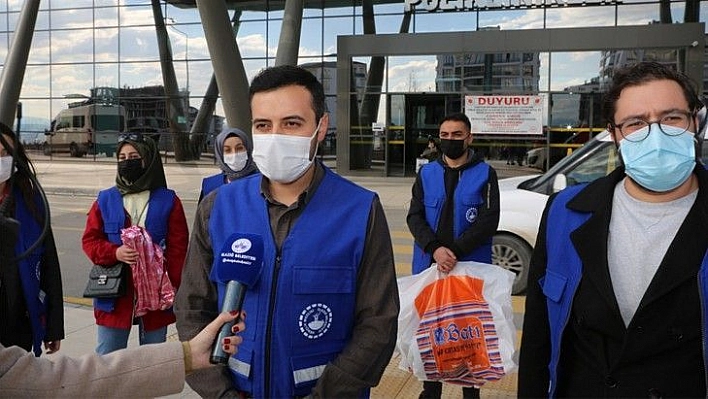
152,284
457,327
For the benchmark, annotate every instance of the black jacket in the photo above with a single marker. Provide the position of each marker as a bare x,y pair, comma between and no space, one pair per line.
660,353
478,233
15,326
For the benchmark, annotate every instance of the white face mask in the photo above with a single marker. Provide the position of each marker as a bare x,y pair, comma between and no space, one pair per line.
5,168
236,161
282,158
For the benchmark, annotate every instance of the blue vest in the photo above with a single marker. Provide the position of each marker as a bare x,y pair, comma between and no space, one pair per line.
301,310
211,183
468,197
564,271
30,268
110,203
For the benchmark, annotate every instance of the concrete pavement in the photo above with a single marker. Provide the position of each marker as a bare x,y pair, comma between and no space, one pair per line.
85,178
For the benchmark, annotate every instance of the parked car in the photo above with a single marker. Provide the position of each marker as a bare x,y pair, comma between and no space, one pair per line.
536,157
523,198
154,127
85,128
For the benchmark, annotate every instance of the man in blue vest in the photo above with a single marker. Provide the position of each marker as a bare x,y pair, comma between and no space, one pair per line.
323,316
616,301
454,211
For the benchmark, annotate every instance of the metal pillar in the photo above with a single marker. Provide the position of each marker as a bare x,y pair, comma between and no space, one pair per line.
290,30
201,122
176,106
226,60
374,80
14,71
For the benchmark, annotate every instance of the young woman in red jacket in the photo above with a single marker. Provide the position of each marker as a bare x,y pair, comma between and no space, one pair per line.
140,197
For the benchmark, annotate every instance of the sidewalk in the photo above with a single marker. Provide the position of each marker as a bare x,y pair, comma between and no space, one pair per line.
395,383
83,177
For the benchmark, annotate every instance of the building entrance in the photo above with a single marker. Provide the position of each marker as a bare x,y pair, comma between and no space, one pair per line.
490,63
413,118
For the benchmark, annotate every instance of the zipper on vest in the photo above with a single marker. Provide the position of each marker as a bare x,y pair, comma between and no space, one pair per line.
269,326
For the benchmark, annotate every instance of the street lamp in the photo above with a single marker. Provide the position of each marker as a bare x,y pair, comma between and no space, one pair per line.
171,24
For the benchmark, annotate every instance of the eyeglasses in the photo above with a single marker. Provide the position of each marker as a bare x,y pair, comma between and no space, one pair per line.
130,136
631,129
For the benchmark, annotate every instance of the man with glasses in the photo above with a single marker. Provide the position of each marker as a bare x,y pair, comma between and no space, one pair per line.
616,304
454,211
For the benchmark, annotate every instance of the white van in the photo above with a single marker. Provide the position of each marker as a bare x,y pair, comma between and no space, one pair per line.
86,128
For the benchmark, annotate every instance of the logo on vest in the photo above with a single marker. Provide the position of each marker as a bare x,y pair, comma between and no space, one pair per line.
241,245
315,320
243,252
471,214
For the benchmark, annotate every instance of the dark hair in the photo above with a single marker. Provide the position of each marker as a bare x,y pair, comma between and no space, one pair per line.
287,75
21,177
458,117
644,72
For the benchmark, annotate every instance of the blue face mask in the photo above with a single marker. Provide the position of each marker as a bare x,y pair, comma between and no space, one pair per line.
660,162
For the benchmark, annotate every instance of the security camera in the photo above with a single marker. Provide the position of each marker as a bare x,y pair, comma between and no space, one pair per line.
695,43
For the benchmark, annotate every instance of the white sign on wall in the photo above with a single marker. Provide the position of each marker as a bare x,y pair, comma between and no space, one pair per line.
474,5
513,115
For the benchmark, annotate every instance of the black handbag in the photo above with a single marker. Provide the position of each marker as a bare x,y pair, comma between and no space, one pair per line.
107,282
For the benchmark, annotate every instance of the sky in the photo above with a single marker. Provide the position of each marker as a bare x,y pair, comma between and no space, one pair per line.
72,49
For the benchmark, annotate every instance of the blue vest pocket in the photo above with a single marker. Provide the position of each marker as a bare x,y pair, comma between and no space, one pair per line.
431,202
553,285
323,280
241,367
111,228
104,304
322,306
307,369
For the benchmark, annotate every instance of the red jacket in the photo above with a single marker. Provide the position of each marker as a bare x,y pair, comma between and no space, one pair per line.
103,252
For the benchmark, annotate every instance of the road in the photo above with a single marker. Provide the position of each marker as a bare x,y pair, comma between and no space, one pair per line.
69,220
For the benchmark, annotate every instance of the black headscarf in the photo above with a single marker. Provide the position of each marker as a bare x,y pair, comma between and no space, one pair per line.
153,176
219,153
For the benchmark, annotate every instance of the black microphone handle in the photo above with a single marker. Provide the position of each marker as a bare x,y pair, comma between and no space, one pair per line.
233,300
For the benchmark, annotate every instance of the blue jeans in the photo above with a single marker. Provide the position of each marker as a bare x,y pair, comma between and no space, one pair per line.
111,339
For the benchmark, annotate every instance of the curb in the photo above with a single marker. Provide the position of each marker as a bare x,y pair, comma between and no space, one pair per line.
74,192
87,302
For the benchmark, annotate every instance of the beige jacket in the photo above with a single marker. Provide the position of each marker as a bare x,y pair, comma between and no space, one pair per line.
147,371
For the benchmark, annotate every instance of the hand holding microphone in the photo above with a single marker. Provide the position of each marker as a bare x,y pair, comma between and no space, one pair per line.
200,347
239,266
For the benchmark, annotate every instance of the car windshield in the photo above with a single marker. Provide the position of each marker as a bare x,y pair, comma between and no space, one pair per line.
564,165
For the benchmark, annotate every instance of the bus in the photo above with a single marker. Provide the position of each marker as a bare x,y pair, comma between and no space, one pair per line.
84,128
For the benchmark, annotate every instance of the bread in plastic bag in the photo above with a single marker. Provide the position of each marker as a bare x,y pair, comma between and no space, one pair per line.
457,327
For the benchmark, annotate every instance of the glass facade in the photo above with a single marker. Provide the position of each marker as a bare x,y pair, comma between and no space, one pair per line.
81,46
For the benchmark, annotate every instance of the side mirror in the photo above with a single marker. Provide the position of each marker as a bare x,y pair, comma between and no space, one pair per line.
559,182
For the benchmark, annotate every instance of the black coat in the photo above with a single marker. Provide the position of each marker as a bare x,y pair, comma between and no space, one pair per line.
660,353
15,327
476,234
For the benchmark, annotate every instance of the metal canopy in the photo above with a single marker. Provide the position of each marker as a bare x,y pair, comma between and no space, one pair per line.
276,5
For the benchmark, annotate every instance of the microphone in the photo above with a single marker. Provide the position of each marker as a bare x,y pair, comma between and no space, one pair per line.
239,267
